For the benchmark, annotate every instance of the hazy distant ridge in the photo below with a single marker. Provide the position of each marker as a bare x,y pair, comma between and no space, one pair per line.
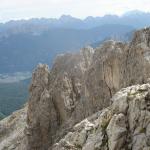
25,43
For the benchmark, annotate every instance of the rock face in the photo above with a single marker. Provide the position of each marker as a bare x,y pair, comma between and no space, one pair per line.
122,126
82,84
12,131
55,103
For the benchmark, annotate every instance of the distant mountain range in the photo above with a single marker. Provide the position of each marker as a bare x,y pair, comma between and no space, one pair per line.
23,51
25,43
135,18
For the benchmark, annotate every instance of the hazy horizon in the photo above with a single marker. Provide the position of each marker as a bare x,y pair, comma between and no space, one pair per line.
17,9
68,15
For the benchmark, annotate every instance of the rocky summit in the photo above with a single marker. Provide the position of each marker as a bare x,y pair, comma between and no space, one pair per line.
74,106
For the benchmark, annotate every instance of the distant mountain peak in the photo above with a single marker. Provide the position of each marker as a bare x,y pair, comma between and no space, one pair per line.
68,18
134,12
65,16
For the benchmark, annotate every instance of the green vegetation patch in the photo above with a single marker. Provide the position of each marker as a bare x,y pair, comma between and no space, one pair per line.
13,96
2,116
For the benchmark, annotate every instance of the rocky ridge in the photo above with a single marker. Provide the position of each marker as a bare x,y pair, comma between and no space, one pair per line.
82,84
122,126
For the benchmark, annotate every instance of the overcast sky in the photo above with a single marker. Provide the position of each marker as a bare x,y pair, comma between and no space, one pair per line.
18,9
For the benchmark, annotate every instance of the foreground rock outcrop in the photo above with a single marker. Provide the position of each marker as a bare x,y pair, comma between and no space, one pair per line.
82,84
12,131
122,126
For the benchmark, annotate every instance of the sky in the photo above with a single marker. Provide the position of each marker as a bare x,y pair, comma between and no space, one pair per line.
25,9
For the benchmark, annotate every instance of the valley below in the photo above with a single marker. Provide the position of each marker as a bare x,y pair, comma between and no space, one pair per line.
13,92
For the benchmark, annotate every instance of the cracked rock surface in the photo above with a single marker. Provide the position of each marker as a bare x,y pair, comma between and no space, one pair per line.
114,128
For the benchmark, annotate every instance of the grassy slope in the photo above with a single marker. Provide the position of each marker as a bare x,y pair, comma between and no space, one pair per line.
2,116
13,96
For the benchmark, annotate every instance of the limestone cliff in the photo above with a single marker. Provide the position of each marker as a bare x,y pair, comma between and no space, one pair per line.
82,84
